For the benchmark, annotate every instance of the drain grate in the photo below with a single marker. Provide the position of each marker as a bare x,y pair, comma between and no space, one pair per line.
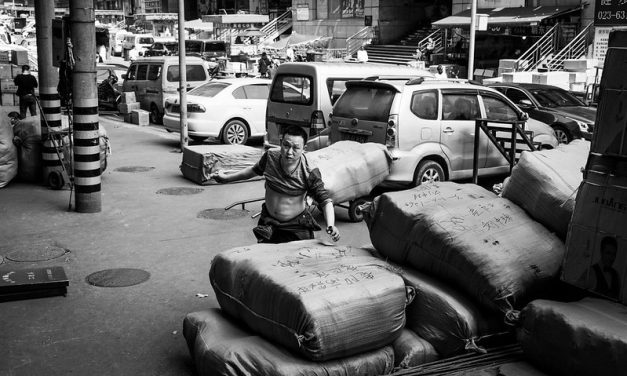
134,169
179,191
45,253
220,213
119,277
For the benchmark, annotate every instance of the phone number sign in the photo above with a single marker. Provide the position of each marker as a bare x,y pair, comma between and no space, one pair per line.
610,12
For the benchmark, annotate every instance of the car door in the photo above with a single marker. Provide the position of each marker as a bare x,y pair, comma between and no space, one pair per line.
154,88
255,106
496,109
142,92
526,103
130,82
460,108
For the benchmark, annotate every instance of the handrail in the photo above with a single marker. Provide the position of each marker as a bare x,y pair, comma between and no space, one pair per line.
540,50
359,39
437,37
275,26
573,50
510,155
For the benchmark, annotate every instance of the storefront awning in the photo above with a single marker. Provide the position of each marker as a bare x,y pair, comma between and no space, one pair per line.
513,16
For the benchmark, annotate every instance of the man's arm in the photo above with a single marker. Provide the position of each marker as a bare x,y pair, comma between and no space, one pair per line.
244,174
329,216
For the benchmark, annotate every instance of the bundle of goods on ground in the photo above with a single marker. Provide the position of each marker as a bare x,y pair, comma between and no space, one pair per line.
8,154
351,169
304,308
201,161
545,182
464,235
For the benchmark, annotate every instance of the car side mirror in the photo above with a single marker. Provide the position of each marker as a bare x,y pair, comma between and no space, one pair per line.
525,103
124,76
524,116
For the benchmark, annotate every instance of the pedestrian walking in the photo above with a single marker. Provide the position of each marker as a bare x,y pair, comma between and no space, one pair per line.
430,47
264,65
26,84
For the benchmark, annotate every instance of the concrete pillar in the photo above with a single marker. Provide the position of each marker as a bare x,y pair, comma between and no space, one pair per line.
48,95
85,108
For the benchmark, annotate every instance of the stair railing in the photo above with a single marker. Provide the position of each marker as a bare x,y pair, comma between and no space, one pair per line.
276,27
358,40
575,49
539,52
438,40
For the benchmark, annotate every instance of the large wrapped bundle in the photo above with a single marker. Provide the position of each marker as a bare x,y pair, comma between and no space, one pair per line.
201,161
349,169
485,245
585,338
28,140
446,318
8,154
544,184
410,350
221,347
325,302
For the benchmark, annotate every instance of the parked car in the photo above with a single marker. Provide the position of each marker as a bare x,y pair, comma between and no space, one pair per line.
231,109
569,116
163,49
207,49
140,42
155,78
429,126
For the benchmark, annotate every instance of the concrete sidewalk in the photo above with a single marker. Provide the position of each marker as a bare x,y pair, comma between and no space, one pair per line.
133,330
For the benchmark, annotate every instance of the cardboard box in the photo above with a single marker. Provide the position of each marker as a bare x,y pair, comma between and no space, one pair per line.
577,77
127,108
596,255
502,71
140,117
127,118
579,65
128,97
5,71
5,56
7,86
9,99
507,63
559,79
16,70
19,56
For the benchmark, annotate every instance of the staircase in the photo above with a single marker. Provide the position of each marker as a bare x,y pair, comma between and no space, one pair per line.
401,54
276,27
577,48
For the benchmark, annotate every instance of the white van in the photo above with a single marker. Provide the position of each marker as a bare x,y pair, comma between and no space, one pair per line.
155,78
116,41
139,41
304,93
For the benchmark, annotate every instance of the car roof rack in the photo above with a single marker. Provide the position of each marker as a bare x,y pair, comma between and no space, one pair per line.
390,77
420,80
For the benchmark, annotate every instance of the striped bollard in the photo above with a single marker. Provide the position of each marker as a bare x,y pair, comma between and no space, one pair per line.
55,148
87,174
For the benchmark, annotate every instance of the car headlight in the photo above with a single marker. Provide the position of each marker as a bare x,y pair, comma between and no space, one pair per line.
584,127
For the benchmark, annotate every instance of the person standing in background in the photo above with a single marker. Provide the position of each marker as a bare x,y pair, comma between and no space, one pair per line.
26,85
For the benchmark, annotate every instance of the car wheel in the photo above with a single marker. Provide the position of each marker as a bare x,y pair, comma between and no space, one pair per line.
428,172
235,133
354,213
156,117
562,134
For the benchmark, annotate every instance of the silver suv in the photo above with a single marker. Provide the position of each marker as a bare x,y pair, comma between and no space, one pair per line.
429,125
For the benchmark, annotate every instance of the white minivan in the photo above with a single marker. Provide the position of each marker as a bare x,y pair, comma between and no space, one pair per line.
304,93
155,78
141,42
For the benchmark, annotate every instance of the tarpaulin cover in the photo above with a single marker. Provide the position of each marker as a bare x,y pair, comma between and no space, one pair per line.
221,346
349,169
461,233
28,141
325,302
200,161
8,154
445,317
584,338
410,350
544,183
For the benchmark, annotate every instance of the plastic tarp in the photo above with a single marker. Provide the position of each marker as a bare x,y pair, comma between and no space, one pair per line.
583,338
221,346
324,302
28,141
463,234
200,161
8,154
350,169
410,350
544,183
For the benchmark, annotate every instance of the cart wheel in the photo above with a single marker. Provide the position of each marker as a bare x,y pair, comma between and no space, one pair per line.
55,180
354,213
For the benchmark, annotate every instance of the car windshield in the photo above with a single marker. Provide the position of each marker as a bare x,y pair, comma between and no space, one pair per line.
194,73
555,97
209,90
214,46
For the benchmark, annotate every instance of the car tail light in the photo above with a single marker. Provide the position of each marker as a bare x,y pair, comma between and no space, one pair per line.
391,133
317,122
193,107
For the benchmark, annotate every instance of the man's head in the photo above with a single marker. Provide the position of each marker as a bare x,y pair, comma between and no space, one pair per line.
25,69
609,248
263,54
440,69
293,139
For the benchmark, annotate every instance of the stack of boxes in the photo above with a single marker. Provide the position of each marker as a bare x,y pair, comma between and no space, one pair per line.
11,60
582,72
129,103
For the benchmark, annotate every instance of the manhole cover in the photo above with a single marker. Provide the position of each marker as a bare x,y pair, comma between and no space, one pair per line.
220,213
121,277
44,253
134,169
179,191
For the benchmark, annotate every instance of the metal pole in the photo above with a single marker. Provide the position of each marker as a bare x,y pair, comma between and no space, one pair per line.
85,108
182,76
475,153
48,81
471,46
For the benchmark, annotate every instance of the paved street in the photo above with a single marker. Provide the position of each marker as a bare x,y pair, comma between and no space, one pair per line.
133,330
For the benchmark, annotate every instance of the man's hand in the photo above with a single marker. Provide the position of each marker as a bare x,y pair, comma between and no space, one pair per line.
219,177
334,233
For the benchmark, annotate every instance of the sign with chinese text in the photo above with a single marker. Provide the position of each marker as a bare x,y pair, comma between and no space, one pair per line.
610,12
